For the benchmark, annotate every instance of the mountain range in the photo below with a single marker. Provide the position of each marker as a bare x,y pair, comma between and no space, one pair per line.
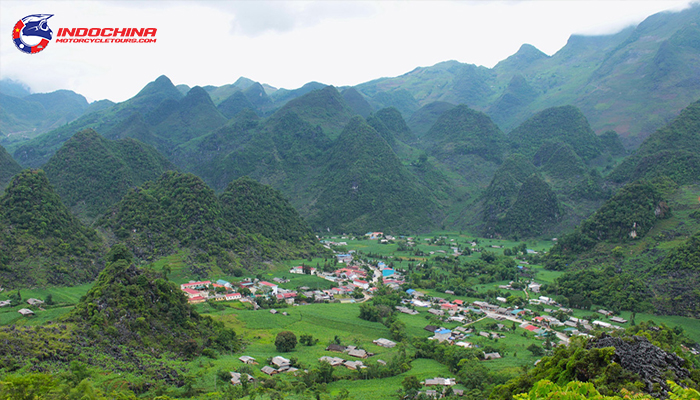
418,163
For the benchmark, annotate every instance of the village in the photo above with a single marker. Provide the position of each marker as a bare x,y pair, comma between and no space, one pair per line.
356,281
452,320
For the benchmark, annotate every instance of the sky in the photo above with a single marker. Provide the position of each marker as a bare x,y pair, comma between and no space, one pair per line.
287,44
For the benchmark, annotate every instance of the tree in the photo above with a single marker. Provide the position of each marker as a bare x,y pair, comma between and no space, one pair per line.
535,350
411,382
286,341
119,252
307,340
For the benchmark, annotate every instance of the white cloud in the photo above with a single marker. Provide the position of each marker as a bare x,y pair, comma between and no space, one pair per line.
287,44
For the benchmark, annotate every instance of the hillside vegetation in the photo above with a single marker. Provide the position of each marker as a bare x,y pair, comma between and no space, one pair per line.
41,242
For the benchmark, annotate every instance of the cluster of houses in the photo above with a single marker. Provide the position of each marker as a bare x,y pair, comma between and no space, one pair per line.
201,291
444,383
24,311
221,290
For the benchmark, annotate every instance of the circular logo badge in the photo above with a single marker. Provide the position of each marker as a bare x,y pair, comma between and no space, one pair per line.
35,27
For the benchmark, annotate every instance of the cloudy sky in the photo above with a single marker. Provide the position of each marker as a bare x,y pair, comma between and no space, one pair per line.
287,44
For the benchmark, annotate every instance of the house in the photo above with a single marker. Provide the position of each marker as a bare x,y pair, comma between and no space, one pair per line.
273,311
354,365
452,308
534,287
34,302
442,334
618,320
193,284
190,293
384,343
236,378
605,312
491,356
501,299
387,272
431,328
381,362
26,312
466,345
268,370
280,361
344,258
233,296
359,353
223,283
196,299
268,286
336,347
602,324
374,235
5,303
361,284
333,361
436,312
440,382
247,360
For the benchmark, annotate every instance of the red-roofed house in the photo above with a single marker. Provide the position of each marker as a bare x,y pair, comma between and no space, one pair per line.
269,285
531,328
451,308
196,299
360,284
233,296
538,319
458,302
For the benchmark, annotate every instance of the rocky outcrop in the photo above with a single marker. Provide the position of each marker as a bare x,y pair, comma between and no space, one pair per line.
652,364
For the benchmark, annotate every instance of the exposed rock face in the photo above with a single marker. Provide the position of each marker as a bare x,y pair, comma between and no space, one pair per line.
650,362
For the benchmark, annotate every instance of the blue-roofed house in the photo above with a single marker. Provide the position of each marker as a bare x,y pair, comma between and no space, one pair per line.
223,283
387,272
442,334
410,291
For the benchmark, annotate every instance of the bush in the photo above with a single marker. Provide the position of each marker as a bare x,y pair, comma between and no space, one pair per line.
286,341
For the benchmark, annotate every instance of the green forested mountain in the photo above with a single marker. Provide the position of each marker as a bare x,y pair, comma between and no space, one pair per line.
41,242
260,209
8,168
140,308
357,102
563,124
535,210
671,151
234,104
564,163
626,216
622,82
612,143
365,185
324,107
92,173
504,187
423,119
462,131
179,211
